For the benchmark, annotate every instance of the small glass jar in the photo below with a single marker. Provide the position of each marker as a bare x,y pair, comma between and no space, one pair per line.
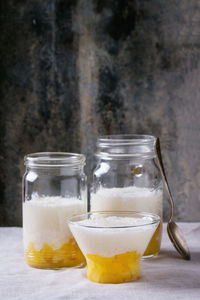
54,188
127,178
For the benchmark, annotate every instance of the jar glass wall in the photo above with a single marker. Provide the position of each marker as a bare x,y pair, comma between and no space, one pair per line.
127,178
54,188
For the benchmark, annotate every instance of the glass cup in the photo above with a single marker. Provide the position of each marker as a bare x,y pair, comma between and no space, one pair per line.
54,188
113,243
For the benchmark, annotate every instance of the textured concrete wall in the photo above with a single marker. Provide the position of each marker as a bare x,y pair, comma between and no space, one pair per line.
73,70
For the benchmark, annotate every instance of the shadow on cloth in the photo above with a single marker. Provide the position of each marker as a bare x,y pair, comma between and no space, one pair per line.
160,273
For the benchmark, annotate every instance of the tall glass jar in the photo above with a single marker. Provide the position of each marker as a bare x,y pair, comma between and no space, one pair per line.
54,188
127,178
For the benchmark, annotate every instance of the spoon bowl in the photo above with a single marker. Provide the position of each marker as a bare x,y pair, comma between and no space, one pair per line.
178,240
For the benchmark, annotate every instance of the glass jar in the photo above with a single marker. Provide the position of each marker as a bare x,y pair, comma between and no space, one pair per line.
127,178
54,188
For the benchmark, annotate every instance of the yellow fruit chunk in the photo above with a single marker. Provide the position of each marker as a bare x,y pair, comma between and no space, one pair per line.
154,245
115,269
68,255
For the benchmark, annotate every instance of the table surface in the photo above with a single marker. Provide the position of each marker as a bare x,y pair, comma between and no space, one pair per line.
165,277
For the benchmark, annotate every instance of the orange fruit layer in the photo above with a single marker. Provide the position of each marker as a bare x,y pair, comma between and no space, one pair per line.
68,255
154,244
115,269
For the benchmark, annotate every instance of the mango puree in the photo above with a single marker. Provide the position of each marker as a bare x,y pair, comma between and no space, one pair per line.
68,255
154,244
115,269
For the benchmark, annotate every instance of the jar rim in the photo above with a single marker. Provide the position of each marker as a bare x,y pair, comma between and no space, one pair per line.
125,139
54,159
126,146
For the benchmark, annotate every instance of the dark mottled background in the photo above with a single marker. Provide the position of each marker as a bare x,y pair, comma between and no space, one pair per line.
73,70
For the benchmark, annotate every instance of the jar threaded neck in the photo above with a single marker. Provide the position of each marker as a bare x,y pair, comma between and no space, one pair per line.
54,159
125,146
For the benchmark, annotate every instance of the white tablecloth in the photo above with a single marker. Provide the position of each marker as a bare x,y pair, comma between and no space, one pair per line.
165,277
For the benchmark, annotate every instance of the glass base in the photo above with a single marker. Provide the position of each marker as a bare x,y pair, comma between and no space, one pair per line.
81,266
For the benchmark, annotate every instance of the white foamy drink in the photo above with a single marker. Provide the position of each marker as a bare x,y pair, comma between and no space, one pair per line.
113,235
44,220
127,199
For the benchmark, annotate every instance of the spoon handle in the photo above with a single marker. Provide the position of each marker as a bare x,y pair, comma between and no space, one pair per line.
162,170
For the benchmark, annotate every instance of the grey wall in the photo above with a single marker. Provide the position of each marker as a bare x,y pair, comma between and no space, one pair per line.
73,70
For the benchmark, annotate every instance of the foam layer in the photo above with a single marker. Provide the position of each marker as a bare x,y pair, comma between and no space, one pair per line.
44,220
112,241
127,199
115,221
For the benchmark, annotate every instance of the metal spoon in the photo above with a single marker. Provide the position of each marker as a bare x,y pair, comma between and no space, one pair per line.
173,230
